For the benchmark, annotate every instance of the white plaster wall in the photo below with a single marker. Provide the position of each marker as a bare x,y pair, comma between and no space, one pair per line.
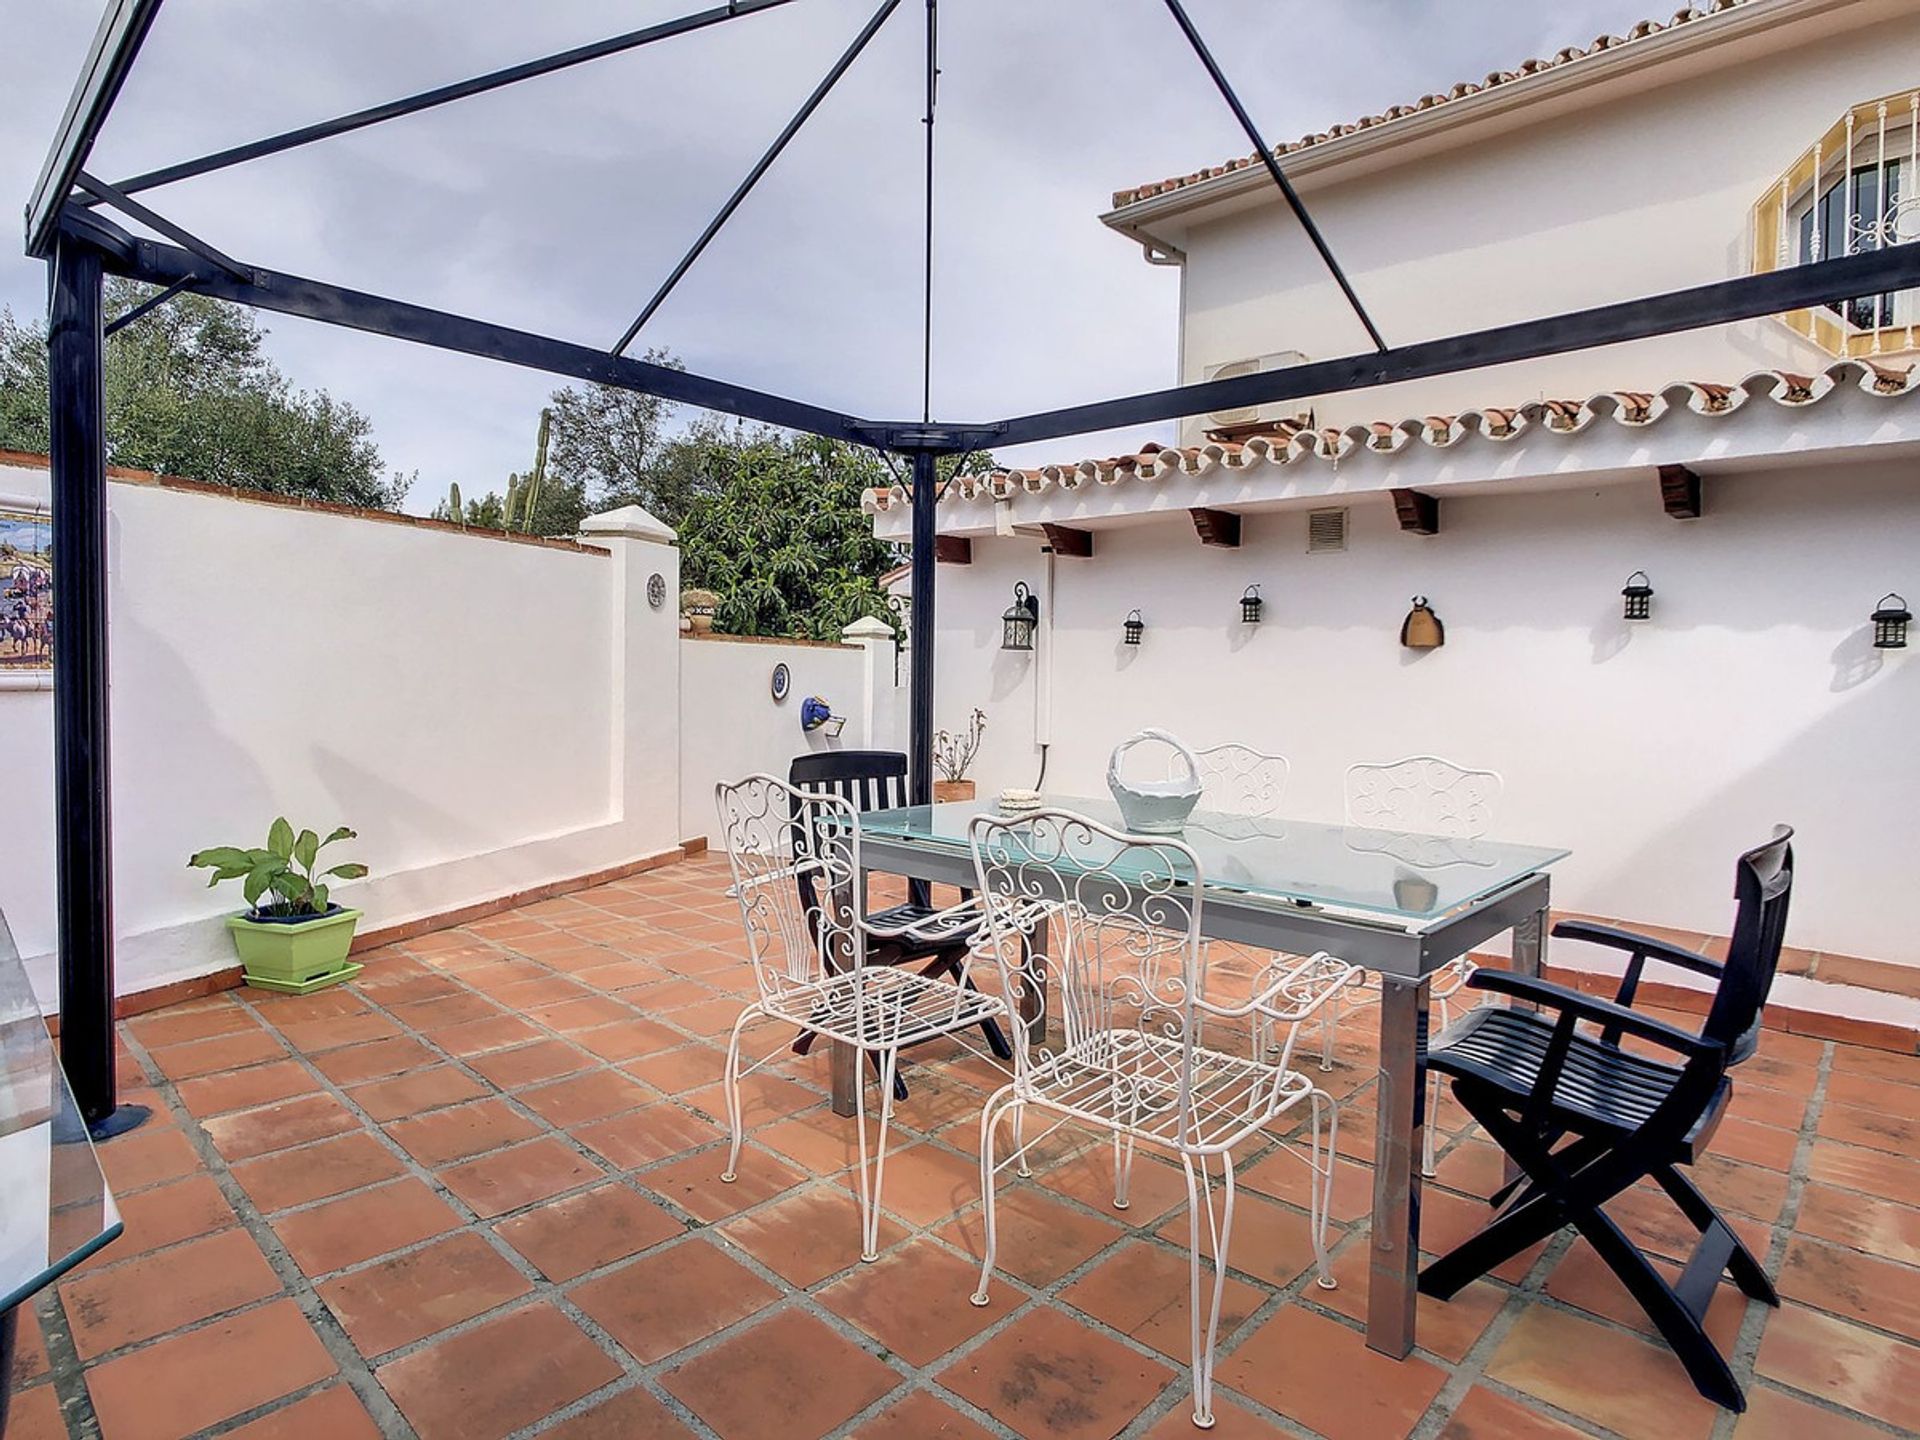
1627,192
731,726
448,696
1654,752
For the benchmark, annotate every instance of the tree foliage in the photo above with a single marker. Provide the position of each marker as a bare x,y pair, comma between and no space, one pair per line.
191,391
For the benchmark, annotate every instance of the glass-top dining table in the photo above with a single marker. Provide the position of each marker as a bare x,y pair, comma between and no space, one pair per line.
55,1208
1401,905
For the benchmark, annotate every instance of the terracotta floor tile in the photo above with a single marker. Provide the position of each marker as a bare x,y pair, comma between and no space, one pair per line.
155,1293
374,1060
510,1179
808,1380
1142,1291
630,1415
584,1098
764,1099
1628,1385
823,1143
498,1377
1755,1144
584,1013
36,1415
530,1064
629,1039
250,1046
462,1007
664,996
241,1089
1447,1328
305,1118
571,1236
146,1157
1877,1129
650,1133
1447,1220
416,1093
694,1183
1052,1376
30,1362
924,1418
912,1300
1285,1177
1874,1172
1154,1190
1321,1373
1270,1241
546,989
925,1184
1844,1363
461,1131
806,1236
332,1167
626,978
358,1227
411,1296
666,1301
1231,1422
1041,1238
1774,1415
1483,1415
1581,1279
688,1067
1742,1189
187,1382
1864,1222
166,1215
1881,1293
180,1024
481,1036
329,1004
1873,1093
316,1036
334,1413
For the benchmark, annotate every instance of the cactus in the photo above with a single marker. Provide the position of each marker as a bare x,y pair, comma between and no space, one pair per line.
456,511
530,498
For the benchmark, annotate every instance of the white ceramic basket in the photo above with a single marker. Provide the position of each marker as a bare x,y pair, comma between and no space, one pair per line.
1154,807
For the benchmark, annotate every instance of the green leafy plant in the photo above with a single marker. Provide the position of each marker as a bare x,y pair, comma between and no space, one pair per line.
280,880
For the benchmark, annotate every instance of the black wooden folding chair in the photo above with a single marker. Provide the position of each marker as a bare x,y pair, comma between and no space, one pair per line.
877,780
1586,1119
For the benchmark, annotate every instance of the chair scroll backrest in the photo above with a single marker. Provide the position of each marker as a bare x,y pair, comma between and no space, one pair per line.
1123,941
795,857
1762,885
1239,780
1424,795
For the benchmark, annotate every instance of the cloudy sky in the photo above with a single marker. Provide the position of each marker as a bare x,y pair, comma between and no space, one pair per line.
558,205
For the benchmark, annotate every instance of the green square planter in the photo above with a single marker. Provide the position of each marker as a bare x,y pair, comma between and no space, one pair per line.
296,959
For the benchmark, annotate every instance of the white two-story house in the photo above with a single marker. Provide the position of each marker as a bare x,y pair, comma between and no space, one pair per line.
1763,477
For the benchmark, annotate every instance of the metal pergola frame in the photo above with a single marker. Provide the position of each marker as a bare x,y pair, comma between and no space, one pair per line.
65,227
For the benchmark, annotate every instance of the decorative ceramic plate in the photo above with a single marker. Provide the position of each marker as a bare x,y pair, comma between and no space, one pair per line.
782,684
656,590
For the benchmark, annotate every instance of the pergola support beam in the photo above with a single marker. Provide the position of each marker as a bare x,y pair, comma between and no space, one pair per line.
952,550
1066,540
355,310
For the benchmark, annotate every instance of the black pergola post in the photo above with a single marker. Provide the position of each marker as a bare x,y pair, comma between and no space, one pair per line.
82,788
920,641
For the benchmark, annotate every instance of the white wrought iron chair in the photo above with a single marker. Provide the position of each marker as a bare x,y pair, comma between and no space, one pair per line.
1419,805
795,856
1122,973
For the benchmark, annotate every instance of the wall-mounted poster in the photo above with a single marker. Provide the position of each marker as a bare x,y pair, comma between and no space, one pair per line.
26,590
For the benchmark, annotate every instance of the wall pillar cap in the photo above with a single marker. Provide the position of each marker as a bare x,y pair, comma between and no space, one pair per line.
867,627
629,522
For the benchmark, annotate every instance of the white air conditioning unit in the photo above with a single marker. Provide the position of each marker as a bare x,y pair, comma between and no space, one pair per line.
1255,414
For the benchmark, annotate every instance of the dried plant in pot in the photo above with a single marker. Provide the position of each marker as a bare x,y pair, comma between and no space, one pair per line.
953,756
294,937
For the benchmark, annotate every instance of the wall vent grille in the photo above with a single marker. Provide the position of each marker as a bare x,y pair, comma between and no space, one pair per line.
1326,531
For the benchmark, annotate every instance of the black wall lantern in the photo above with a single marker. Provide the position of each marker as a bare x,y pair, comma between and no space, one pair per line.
1021,619
1639,596
1133,628
1250,604
1890,623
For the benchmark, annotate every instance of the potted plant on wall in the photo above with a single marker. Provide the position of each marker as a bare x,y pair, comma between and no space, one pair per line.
699,606
294,938
953,756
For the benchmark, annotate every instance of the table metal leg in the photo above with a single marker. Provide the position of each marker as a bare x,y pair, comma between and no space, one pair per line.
1393,1281
1529,959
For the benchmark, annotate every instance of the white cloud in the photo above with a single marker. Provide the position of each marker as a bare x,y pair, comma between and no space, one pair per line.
559,205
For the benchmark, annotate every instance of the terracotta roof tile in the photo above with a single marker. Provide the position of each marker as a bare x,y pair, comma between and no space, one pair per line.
1289,442
1570,55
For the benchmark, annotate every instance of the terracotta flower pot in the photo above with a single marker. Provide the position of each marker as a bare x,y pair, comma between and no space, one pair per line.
948,792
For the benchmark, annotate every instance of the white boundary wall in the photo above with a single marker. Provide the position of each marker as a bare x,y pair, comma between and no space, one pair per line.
491,716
